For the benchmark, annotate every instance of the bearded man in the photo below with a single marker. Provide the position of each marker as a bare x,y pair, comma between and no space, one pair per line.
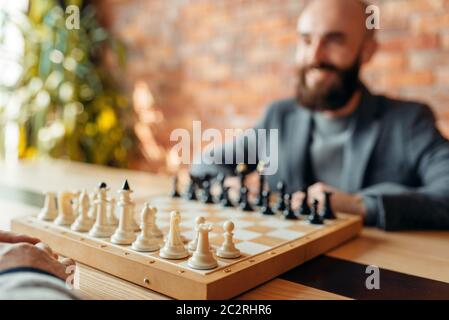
381,158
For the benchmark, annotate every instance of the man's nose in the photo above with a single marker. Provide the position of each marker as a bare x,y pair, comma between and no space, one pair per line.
316,53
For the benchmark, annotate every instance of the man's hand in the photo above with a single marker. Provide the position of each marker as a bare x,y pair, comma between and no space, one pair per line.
11,237
340,201
18,250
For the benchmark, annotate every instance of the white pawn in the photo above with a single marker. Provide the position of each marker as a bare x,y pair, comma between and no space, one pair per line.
112,218
49,211
146,241
193,244
101,228
155,230
174,247
65,210
203,258
228,249
75,202
125,231
83,223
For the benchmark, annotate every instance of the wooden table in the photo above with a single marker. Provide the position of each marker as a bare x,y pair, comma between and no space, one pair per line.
415,262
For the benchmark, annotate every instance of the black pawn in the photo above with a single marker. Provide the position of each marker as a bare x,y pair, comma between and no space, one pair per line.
191,191
281,205
288,212
304,210
175,193
226,202
328,212
221,179
207,196
245,205
259,201
266,209
315,218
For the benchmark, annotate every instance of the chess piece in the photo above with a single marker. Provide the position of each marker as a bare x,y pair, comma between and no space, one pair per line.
266,208
221,180
226,202
175,193
101,227
207,196
75,202
65,210
193,244
112,218
93,208
328,212
315,217
146,241
83,223
174,247
203,257
191,190
228,249
288,213
154,228
281,205
260,169
241,171
49,211
304,210
125,207
244,204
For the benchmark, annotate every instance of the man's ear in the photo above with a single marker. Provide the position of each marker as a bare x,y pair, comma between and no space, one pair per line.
369,49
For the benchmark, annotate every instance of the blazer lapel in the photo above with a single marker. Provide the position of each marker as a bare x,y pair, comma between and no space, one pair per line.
365,132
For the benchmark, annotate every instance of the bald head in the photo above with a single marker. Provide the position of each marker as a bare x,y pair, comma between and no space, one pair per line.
333,43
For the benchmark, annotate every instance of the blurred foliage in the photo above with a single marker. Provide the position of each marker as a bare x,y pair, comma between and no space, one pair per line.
69,103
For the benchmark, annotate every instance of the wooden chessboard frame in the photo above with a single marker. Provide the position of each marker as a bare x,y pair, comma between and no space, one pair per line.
180,283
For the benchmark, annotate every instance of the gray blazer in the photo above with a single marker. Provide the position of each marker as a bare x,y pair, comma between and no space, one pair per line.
396,158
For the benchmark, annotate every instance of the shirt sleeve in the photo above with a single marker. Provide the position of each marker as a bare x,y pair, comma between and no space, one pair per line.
33,284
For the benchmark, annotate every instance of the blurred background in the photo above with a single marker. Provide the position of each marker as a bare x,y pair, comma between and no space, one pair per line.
112,91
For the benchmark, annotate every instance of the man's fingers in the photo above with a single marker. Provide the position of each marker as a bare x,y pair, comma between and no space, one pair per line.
47,249
11,237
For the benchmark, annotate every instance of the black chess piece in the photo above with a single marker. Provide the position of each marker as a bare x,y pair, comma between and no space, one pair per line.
221,177
241,171
207,196
103,185
259,200
304,210
126,185
315,217
226,201
288,213
191,190
281,205
175,193
245,205
328,212
266,208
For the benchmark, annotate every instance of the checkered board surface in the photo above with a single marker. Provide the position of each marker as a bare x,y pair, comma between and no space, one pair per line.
254,233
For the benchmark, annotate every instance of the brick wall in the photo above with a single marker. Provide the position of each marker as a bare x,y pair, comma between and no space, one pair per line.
222,61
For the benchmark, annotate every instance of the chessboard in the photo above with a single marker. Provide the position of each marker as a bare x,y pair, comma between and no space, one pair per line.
269,246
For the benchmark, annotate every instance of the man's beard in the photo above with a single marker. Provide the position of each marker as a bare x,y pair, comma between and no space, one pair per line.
333,97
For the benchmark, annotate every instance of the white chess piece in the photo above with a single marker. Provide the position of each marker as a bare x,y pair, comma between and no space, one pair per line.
124,234
93,208
193,244
101,228
83,223
75,202
112,218
49,211
146,241
65,210
203,258
155,230
228,249
174,247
